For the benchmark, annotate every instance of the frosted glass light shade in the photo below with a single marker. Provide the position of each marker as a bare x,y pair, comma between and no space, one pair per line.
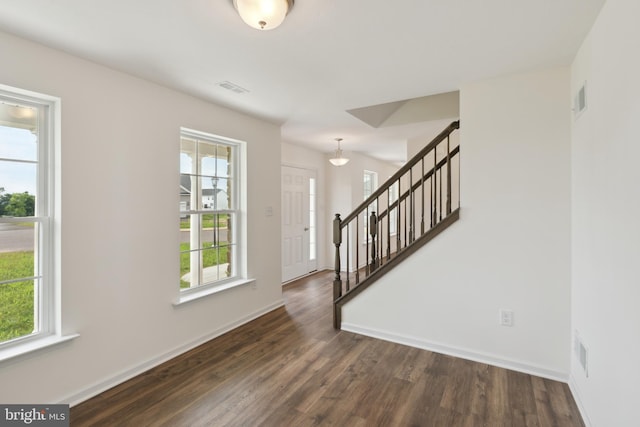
338,160
263,14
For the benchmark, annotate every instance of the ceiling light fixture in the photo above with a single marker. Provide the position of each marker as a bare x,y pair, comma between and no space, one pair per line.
338,160
263,14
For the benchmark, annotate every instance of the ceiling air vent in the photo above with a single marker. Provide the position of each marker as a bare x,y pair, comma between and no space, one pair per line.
232,87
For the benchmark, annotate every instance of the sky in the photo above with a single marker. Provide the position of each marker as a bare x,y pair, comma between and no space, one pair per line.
209,168
18,144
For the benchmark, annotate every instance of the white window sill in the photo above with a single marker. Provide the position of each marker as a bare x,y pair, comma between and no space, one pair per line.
30,346
206,291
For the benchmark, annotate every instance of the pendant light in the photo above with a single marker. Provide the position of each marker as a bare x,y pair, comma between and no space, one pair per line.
338,159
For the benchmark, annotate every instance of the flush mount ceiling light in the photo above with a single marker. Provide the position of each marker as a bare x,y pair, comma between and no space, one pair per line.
338,160
263,14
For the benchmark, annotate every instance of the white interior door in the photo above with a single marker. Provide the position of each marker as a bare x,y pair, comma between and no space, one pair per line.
296,225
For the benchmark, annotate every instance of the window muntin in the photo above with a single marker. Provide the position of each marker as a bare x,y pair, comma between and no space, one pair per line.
209,210
26,195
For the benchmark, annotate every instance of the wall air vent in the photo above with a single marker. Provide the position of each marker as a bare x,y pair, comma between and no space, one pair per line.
232,87
581,352
580,100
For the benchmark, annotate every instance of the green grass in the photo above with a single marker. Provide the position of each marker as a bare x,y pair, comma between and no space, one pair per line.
16,299
211,257
207,221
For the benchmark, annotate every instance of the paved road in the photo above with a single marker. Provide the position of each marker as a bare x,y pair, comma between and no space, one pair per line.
14,237
207,235
19,238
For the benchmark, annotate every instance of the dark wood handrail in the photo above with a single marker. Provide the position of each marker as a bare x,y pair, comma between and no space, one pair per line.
404,169
417,185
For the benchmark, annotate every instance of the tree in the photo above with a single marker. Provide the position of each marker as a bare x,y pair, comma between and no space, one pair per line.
4,200
20,204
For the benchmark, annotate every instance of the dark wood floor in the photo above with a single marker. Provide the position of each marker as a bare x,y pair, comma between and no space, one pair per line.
290,368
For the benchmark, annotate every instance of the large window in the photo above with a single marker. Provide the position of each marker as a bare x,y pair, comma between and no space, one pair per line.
209,210
27,279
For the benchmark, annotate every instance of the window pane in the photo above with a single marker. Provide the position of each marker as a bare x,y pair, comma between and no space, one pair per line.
209,233
185,231
17,189
187,155
185,191
16,143
214,263
17,244
17,305
215,193
185,266
223,162
225,234
215,231
214,159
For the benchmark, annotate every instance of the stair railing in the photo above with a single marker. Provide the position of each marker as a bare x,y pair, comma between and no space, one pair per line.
410,208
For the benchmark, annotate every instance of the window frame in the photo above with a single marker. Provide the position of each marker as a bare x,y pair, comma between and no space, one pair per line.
47,260
237,211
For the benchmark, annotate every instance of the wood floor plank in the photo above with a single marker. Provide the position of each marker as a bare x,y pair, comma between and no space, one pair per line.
291,368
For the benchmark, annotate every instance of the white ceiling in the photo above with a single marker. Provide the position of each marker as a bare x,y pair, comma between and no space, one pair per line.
329,56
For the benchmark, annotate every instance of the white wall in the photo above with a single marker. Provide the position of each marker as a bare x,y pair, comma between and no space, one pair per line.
414,145
511,247
606,209
120,146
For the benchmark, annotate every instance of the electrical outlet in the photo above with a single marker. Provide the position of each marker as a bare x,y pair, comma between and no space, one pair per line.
506,317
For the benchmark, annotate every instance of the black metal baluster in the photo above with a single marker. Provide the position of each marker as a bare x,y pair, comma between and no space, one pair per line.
422,196
448,177
389,223
434,182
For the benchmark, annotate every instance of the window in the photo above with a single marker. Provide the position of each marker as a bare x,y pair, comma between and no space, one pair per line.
393,214
210,249
27,281
370,184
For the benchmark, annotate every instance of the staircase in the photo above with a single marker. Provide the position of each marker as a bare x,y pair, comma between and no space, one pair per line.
412,207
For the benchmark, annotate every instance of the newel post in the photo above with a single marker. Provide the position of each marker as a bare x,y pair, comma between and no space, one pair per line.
337,281
373,230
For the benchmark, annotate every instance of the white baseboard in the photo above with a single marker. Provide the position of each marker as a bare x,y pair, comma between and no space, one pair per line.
102,386
458,352
573,386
